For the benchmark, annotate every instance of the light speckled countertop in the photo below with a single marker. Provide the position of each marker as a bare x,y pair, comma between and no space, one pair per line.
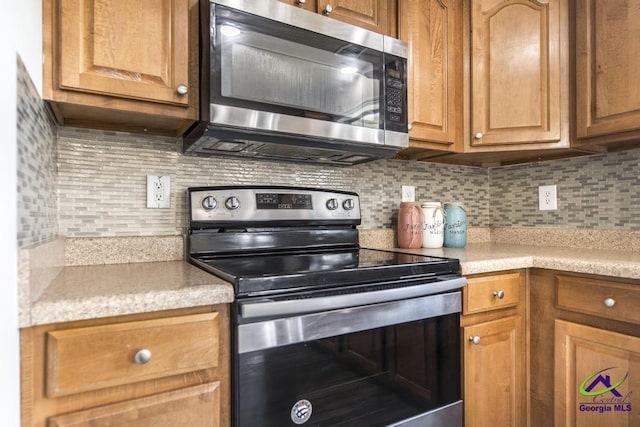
94,291
488,257
85,292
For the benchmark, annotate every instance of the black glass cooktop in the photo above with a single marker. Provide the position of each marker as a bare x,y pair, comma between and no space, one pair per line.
259,274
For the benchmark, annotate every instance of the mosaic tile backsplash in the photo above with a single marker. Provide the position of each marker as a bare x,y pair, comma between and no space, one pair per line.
36,165
102,183
102,186
595,192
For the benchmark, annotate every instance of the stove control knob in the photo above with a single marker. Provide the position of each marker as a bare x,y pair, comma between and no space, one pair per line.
332,204
232,203
209,203
348,204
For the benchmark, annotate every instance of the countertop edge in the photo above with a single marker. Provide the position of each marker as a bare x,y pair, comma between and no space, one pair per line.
99,291
498,264
66,310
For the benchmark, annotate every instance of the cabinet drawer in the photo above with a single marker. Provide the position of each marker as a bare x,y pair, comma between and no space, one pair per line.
493,292
195,406
96,357
613,300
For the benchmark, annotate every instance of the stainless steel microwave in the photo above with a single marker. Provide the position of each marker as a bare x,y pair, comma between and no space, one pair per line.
281,83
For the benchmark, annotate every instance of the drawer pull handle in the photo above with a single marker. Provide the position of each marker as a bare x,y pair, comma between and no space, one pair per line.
475,340
328,9
609,302
498,294
142,356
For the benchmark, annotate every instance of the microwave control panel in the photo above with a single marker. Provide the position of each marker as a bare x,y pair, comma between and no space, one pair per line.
395,93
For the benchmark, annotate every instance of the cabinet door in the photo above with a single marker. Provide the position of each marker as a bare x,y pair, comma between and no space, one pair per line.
133,50
516,68
607,64
596,373
197,406
494,382
431,29
374,15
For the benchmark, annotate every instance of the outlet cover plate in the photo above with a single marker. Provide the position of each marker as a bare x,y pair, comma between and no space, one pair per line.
408,193
547,198
158,192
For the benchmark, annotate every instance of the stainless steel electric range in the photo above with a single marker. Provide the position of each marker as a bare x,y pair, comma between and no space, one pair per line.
325,333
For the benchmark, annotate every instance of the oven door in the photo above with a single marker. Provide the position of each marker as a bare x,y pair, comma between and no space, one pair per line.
389,363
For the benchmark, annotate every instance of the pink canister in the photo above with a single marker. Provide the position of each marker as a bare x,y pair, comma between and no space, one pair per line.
410,224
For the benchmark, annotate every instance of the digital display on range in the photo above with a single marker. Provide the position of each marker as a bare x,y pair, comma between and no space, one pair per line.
283,201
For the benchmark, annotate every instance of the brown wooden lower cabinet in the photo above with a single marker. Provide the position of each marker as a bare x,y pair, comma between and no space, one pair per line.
155,369
584,333
494,350
192,406
494,373
596,374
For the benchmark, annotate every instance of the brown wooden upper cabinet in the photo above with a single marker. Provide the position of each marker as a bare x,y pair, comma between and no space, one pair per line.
607,43
374,15
133,64
488,80
519,74
433,32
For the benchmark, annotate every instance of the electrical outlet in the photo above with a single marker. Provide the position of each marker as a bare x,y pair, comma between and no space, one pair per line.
547,198
408,193
158,192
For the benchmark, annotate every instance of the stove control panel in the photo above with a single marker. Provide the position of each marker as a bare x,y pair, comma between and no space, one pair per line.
266,204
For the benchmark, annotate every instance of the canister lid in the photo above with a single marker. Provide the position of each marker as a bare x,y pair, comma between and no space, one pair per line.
431,204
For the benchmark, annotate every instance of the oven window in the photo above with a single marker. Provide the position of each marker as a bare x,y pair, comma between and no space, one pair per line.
261,64
370,378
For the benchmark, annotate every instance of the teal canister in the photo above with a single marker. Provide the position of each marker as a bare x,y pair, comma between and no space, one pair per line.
455,225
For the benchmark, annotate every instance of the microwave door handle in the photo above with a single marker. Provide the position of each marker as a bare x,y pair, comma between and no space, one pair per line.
309,327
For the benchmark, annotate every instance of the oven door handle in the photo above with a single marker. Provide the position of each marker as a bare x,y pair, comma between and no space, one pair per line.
270,308
309,327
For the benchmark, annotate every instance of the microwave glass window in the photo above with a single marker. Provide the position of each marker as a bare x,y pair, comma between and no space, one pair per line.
289,70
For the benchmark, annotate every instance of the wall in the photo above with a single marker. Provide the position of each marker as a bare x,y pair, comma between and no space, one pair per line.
102,185
37,170
595,192
20,34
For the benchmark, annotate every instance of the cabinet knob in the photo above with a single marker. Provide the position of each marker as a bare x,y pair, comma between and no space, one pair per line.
475,340
478,135
301,1
609,302
409,126
328,9
498,294
142,356
182,89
